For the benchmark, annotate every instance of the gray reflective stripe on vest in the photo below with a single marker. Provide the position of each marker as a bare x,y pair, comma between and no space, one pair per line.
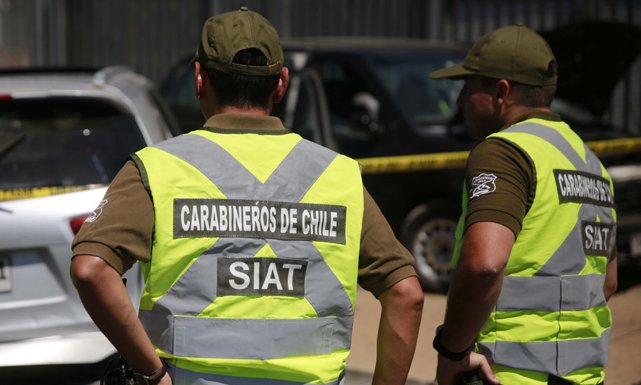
542,356
556,286
552,136
186,377
548,293
199,282
259,339
592,164
548,289
568,258
242,184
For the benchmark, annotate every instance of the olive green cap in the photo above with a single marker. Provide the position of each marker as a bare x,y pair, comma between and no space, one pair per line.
224,35
514,53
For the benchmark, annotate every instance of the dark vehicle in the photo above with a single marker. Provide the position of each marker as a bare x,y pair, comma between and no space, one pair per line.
596,60
371,99
375,103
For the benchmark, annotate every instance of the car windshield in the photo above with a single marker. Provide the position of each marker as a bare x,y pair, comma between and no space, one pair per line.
63,141
405,77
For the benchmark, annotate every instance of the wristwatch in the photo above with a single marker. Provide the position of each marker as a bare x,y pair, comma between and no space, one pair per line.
450,355
152,379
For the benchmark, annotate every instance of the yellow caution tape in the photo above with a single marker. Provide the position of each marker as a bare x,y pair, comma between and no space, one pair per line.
419,162
38,192
378,165
457,159
616,146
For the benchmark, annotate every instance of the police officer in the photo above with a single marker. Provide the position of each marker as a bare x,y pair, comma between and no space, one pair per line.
535,256
252,240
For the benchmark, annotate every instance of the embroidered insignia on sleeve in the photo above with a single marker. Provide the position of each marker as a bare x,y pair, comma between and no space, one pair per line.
96,213
482,184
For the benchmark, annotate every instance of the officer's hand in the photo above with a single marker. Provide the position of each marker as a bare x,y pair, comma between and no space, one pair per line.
449,372
166,380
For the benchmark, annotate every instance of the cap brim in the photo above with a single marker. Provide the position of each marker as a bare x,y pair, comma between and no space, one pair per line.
454,72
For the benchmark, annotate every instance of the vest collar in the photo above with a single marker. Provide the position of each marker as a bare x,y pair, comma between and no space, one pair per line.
532,115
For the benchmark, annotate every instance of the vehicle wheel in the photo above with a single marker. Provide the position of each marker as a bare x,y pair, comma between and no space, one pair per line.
428,233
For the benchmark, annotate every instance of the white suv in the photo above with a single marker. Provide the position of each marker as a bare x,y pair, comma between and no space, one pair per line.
63,137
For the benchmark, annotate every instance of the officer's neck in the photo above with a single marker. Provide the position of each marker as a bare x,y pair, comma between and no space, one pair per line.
250,111
516,113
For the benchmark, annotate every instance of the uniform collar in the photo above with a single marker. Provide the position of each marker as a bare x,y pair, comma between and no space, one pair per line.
245,123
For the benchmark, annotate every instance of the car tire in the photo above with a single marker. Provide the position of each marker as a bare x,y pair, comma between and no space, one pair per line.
428,233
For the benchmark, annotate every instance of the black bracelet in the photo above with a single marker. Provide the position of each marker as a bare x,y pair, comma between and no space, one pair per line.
442,350
154,378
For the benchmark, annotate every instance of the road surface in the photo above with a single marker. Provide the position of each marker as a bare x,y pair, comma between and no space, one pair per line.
624,361
624,366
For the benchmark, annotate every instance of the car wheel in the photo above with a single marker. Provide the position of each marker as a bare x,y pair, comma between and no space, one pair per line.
428,233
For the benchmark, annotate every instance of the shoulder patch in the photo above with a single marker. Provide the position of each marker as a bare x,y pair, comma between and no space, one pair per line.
482,184
96,213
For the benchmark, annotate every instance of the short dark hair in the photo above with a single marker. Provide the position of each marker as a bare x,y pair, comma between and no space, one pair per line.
244,91
527,95
534,96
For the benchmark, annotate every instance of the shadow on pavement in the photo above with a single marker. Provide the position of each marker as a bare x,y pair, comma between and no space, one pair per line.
628,276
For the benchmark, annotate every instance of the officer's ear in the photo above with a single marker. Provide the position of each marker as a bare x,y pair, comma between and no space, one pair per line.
200,79
281,88
503,91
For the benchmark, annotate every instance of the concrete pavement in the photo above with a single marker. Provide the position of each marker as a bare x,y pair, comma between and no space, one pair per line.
624,366
361,362
624,361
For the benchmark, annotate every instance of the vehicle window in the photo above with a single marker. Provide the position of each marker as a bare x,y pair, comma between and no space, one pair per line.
168,118
179,93
178,88
63,142
345,91
422,102
299,110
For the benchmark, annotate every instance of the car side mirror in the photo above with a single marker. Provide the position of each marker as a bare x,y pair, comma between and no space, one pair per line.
366,112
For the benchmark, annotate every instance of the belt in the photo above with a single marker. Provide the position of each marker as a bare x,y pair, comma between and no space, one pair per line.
554,380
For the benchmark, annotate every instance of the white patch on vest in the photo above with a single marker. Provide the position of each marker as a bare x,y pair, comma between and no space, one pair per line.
261,276
482,184
96,213
582,187
598,238
234,218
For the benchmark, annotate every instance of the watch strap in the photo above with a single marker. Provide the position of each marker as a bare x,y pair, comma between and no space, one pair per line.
154,378
442,350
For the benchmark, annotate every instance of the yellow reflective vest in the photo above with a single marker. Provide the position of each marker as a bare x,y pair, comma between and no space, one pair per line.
254,264
551,315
